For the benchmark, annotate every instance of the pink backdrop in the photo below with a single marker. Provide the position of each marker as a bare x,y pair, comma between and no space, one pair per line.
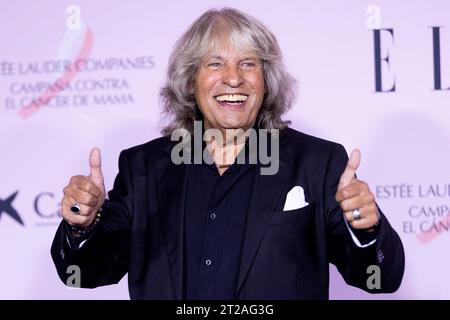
112,102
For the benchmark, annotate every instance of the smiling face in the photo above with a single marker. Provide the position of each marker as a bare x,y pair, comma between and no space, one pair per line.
229,88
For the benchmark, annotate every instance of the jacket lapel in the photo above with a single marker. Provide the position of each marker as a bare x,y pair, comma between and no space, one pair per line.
267,190
171,195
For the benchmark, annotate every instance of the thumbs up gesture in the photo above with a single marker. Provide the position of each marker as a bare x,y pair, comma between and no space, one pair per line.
86,192
355,198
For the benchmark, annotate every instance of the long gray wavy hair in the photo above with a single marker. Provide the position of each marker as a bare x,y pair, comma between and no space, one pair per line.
245,33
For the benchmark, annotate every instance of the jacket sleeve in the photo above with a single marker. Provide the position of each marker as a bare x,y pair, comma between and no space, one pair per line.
103,258
358,265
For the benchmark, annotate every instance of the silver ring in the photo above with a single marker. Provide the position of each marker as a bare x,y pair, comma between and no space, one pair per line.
356,214
75,208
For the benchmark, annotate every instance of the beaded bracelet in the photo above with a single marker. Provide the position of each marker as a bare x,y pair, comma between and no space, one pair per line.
83,231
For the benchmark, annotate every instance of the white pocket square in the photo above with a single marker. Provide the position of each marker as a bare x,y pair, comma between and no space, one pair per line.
295,199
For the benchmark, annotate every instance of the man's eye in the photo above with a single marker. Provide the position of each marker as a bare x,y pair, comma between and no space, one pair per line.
214,65
248,64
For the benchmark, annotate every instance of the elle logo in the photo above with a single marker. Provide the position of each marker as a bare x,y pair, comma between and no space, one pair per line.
374,24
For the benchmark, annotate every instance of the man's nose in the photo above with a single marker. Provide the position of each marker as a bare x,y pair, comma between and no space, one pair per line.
232,76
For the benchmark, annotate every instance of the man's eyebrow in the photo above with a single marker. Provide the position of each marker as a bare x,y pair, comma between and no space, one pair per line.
214,57
222,58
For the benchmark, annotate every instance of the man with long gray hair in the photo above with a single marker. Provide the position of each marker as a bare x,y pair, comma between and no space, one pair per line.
230,203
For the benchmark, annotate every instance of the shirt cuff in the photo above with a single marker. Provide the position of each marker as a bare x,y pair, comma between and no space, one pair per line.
364,236
75,242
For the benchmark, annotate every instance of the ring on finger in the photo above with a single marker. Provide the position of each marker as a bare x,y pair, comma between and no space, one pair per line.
76,208
356,214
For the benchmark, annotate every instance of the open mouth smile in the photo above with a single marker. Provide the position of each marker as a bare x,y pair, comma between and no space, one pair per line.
234,101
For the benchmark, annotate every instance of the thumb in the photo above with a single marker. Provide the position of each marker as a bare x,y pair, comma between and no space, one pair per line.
95,164
349,173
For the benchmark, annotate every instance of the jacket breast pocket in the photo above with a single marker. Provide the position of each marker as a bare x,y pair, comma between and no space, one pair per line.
293,216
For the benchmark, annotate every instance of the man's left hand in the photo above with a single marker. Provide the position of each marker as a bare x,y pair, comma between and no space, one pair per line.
353,194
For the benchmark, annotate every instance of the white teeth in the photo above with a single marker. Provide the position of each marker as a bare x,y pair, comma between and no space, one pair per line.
232,97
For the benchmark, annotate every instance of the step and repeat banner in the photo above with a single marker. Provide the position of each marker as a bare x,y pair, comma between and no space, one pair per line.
373,75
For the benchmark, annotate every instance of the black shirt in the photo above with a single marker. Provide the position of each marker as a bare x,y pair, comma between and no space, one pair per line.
215,217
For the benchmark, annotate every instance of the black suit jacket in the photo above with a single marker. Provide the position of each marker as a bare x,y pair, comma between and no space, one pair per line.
284,255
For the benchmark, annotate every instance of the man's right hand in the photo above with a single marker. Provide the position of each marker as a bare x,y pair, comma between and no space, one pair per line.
88,191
